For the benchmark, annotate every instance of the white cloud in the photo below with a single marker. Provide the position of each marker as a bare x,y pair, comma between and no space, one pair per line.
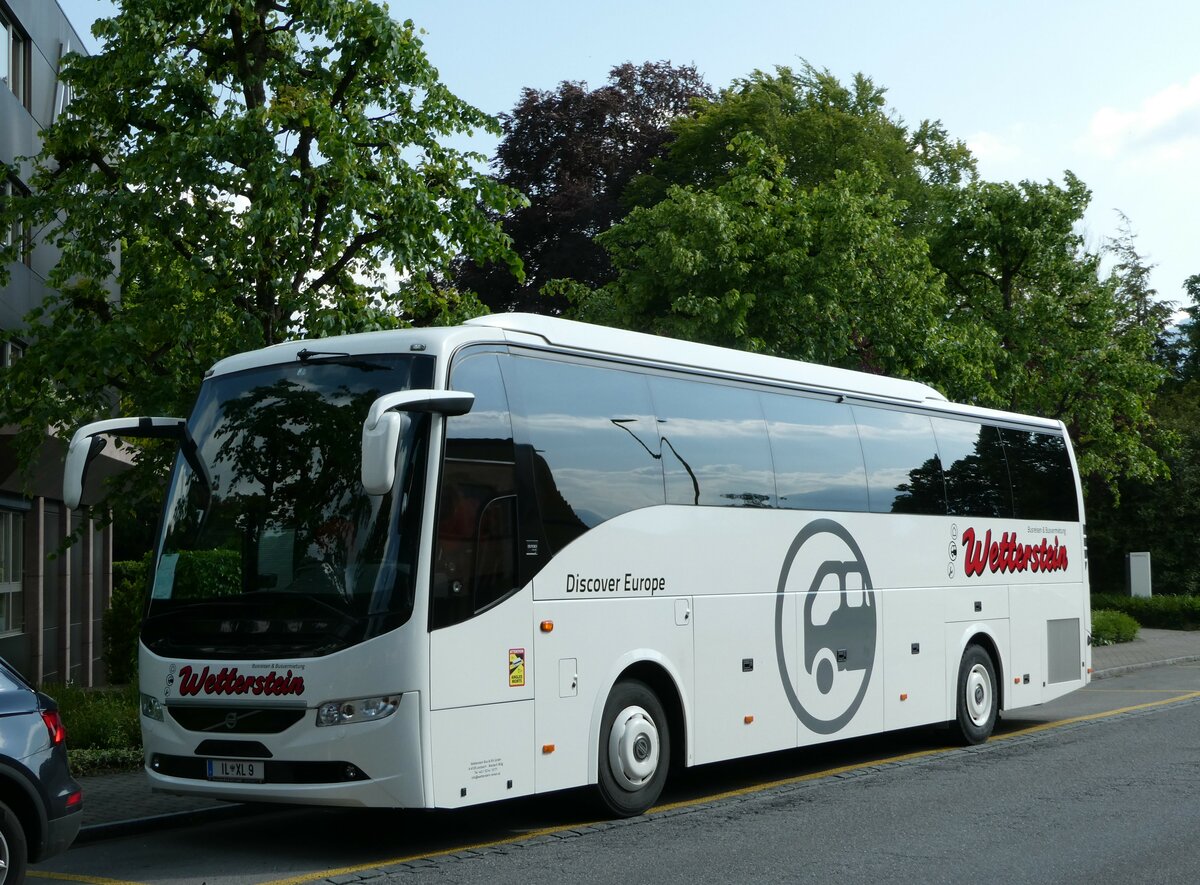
1165,127
988,147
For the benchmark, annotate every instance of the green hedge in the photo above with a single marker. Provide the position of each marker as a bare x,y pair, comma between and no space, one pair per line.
123,620
1109,627
1162,612
98,718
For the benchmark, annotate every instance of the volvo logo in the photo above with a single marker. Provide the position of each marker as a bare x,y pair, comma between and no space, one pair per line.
833,638
231,720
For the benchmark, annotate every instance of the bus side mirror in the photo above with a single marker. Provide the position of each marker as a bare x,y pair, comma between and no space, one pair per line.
384,427
88,442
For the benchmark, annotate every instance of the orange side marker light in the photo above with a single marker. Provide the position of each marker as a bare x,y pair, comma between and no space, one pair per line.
747,719
547,749
547,626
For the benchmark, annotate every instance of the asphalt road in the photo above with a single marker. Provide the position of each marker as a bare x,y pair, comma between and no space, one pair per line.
1098,787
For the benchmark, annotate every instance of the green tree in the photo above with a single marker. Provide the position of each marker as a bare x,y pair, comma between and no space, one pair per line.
1153,516
819,127
1063,341
762,263
1187,343
243,172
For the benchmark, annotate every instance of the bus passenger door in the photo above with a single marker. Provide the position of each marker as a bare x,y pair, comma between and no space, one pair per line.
480,686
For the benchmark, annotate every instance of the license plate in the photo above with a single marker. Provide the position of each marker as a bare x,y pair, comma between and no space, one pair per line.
244,770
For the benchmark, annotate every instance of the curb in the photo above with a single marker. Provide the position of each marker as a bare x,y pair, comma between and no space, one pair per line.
1145,665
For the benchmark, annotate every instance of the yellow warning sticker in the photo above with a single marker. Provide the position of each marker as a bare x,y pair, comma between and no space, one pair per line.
516,667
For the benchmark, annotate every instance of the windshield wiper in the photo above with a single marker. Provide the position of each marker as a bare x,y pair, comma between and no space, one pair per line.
338,358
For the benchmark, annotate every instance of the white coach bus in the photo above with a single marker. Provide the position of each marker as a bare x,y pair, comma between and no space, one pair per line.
439,567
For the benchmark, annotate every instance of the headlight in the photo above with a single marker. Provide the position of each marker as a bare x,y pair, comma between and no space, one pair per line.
151,708
357,710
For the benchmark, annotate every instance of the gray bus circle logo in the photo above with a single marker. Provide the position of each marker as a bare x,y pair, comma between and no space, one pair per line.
844,643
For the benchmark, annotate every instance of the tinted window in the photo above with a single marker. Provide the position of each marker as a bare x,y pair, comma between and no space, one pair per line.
475,558
975,469
1042,482
714,444
818,460
904,474
595,448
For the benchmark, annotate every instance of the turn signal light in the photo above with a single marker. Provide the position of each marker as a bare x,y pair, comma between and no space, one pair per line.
904,696
547,749
547,626
748,719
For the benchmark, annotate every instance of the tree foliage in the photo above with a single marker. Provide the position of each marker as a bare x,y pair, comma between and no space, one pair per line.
1152,516
572,151
762,263
819,127
1063,341
244,172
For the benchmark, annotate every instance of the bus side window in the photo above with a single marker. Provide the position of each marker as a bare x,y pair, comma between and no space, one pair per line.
818,459
904,471
590,435
1042,481
714,445
976,470
476,536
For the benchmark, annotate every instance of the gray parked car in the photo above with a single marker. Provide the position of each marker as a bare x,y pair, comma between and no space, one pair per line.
40,803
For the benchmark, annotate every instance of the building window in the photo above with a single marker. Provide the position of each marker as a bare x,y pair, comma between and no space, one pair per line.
12,547
14,60
10,352
19,231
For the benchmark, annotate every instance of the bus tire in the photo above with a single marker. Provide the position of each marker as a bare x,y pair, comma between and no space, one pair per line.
978,697
635,749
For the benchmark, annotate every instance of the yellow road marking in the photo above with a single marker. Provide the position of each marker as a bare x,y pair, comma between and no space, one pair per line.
72,877
727,794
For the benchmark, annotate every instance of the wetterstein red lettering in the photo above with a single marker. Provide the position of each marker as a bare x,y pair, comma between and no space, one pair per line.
229,682
1009,554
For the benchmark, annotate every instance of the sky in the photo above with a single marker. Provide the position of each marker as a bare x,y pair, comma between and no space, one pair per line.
1107,89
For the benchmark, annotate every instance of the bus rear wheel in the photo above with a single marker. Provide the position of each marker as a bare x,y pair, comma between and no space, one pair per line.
635,749
978,701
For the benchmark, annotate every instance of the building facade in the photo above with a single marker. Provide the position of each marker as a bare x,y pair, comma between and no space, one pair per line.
51,600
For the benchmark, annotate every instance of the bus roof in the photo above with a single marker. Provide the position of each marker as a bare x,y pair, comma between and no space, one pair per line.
585,339
674,353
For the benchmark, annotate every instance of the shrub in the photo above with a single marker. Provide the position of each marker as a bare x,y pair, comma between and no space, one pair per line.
1109,627
1163,612
123,620
88,762
99,718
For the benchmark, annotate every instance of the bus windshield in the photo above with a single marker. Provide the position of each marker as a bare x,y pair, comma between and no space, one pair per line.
270,546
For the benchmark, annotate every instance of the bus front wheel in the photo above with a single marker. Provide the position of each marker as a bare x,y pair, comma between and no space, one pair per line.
635,749
978,699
